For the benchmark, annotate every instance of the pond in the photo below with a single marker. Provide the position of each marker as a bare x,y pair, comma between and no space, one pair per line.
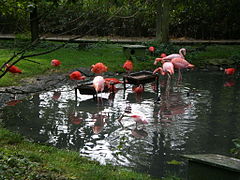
199,115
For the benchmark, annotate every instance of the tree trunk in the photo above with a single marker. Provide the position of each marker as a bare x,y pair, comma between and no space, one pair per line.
34,24
162,21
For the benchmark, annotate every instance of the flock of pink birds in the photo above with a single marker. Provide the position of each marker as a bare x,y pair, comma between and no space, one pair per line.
168,65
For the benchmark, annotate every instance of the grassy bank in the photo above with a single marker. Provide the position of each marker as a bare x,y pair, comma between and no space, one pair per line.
73,56
21,159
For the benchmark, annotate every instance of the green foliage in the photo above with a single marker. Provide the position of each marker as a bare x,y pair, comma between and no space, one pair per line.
26,160
9,138
196,19
236,150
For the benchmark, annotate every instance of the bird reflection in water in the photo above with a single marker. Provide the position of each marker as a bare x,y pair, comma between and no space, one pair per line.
56,95
170,105
75,118
100,121
139,133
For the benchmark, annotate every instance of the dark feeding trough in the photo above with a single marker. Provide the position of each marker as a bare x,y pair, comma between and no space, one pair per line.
88,89
85,89
141,77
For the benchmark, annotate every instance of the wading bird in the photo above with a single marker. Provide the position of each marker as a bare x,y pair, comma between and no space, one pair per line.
182,53
98,84
180,63
167,68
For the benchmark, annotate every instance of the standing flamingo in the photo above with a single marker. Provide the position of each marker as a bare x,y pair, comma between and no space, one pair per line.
13,69
167,68
55,62
182,53
128,66
99,68
180,63
98,84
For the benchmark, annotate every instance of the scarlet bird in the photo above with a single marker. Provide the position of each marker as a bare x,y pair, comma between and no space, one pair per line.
76,75
128,66
151,49
99,68
163,55
138,89
230,71
13,69
180,63
55,62
113,80
110,82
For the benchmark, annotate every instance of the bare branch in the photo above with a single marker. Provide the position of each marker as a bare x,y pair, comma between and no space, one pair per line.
20,55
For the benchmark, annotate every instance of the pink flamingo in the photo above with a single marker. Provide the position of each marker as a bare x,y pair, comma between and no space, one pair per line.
98,84
182,53
167,68
180,63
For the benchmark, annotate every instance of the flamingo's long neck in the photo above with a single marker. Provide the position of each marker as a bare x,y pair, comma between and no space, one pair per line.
181,53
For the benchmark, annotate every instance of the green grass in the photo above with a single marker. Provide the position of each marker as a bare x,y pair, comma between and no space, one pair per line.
21,159
110,54
70,56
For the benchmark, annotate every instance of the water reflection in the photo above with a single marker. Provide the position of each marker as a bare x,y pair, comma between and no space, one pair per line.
200,115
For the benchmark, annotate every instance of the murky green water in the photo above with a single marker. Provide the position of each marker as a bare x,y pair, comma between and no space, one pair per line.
201,115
